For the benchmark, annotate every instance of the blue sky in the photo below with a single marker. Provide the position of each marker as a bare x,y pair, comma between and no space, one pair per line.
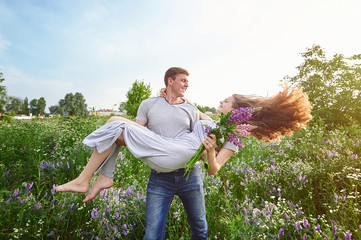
49,48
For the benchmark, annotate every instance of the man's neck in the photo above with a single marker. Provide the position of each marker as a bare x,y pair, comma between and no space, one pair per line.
173,99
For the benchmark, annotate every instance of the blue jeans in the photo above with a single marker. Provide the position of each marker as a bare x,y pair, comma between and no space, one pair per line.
160,192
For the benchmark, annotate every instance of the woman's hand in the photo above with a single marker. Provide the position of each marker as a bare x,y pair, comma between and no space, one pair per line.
210,142
163,92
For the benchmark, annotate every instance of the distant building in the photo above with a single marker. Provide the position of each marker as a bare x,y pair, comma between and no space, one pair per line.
23,116
106,112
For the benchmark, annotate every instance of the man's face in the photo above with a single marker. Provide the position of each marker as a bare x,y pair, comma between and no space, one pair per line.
179,85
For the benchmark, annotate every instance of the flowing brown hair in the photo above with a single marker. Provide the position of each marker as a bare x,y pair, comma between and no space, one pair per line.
282,114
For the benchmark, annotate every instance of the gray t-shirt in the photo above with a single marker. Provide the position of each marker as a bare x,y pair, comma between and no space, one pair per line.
165,119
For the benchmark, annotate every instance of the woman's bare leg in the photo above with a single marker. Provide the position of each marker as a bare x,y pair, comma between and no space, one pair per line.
102,181
100,184
81,183
117,118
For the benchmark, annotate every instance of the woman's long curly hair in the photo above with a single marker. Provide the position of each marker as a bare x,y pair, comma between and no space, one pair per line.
282,114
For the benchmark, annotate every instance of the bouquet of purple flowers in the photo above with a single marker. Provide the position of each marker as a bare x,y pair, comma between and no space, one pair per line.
230,127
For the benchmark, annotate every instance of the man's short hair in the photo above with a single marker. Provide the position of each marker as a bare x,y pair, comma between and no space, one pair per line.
172,72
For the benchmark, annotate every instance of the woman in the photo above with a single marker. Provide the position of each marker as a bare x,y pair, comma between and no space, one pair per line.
282,114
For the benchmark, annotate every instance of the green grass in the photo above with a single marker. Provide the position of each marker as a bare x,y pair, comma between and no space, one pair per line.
306,186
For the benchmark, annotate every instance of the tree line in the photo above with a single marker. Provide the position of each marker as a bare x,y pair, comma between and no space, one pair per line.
333,86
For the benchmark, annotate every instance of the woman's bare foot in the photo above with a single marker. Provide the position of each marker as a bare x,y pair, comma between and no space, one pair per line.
76,185
101,183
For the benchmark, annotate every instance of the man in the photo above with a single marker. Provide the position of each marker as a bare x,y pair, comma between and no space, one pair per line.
171,116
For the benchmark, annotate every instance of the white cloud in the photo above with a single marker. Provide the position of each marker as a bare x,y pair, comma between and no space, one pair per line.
22,85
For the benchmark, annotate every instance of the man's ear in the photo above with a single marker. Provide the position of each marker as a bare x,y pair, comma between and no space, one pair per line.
170,81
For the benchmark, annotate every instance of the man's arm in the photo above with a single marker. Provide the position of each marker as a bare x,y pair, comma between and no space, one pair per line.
141,123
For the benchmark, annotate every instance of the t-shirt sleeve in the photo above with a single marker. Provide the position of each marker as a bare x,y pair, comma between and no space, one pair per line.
193,114
142,112
231,146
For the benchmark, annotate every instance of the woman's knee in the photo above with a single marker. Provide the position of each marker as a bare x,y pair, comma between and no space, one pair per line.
112,119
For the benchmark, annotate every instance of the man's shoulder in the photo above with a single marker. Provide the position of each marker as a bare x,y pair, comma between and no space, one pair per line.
152,99
190,105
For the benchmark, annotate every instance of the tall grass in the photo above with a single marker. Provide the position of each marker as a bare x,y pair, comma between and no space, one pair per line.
305,187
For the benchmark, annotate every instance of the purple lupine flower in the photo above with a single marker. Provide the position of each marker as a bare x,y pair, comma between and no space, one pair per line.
280,233
297,226
348,236
287,217
244,130
208,130
330,153
235,140
240,115
53,189
37,206
16,192
334,230
318,228
305,223
29,186
94,213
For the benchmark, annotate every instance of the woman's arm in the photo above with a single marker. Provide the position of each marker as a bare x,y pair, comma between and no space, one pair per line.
215,161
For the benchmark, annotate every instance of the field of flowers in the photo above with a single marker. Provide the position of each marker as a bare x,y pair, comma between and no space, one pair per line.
305,187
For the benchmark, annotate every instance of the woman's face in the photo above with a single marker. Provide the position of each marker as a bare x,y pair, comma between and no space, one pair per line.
225,106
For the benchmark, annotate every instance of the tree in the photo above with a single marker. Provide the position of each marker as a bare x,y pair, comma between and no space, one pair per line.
14,104
34,106
121,107
25,107
41,106
72,104
56,110
2,94
139,92
200,108
333,86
